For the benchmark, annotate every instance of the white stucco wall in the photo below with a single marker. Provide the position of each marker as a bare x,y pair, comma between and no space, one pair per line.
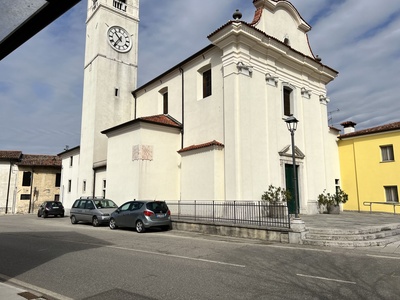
8,186
154,177
202,175
69,172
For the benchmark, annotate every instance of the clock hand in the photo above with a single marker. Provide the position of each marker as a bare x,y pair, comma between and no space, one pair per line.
119,39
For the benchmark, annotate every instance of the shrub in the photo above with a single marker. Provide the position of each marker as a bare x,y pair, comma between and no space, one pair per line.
276,194
329,200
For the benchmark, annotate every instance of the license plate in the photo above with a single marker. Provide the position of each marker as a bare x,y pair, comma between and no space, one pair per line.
55,207
160,215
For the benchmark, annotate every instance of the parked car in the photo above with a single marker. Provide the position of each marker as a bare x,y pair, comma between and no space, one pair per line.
142,215
92,210
50,208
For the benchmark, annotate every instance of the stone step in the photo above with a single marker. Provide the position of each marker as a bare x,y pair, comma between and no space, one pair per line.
367,243
357,237
340,236
364,230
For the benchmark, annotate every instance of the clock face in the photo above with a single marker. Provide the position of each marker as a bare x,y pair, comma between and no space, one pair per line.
119,39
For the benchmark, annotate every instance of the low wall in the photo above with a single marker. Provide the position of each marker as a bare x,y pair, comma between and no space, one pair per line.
280,235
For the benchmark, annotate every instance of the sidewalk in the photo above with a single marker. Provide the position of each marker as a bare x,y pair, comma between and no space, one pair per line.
11,292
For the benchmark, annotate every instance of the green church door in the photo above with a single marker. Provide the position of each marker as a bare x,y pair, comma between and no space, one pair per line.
289,187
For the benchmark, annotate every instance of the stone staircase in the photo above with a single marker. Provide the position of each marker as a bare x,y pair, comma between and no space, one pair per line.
360,237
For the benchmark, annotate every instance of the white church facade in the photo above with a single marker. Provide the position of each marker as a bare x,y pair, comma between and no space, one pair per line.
210,128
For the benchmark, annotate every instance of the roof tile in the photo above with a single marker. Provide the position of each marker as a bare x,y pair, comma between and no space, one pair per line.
193,147
377,129
40,160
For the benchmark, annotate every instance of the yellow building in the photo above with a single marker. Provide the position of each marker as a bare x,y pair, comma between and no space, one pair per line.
369,169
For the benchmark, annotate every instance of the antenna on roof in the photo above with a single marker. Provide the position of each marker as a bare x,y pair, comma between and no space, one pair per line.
330,118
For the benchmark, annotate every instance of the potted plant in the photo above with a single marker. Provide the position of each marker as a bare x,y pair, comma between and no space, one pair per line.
277,198
332,201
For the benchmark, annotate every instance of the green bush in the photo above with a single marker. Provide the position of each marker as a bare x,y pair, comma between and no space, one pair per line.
276,194
328,199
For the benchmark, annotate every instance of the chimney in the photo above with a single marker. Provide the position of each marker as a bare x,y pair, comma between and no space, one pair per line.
348,127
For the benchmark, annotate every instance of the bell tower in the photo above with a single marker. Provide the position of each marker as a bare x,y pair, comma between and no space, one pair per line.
110,74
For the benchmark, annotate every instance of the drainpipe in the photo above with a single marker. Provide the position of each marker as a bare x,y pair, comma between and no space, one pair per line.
30,198
94,183
183,105
135,104
356,175
8,186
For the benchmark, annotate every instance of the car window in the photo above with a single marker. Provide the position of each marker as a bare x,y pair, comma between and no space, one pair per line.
136,205
82,204
157,206
109,204
89,205
125,206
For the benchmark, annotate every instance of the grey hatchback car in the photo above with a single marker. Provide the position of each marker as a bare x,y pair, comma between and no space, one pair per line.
142,215
92,210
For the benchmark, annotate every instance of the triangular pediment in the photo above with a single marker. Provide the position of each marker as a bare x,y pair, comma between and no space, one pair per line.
287,151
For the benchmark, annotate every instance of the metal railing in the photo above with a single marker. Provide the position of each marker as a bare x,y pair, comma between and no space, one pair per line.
369,203
255,213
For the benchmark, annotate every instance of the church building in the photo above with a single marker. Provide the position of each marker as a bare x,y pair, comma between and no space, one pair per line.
210,128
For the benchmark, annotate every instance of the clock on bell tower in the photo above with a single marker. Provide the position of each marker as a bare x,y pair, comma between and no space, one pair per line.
110,74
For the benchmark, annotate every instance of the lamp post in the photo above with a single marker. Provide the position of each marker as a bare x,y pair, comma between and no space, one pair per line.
291,123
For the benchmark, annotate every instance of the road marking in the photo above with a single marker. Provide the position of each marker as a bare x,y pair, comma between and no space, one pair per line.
382,256
240,240
324,278
178,256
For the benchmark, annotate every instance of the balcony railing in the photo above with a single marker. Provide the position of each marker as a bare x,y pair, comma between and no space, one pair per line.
255,213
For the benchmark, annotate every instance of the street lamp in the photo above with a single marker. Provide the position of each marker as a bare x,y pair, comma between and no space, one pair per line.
291,123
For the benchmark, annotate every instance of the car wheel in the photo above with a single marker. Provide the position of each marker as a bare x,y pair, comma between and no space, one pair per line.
62,215
38,214
73,219
113,224
44,215
140,227
95,222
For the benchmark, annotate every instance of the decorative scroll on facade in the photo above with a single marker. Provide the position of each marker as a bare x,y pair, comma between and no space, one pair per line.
142,152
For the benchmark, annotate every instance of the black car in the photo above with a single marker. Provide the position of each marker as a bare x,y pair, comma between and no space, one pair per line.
51,208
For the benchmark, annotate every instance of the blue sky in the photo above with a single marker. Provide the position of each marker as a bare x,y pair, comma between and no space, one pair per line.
41,82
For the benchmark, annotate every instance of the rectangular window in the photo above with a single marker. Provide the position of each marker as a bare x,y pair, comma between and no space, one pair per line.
26,179
84,186
58,180
69,186
25,197
391,194
71,161
207,83
165,103
56,197
387,153
287,95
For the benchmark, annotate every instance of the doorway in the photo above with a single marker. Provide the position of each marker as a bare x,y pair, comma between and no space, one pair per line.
289,187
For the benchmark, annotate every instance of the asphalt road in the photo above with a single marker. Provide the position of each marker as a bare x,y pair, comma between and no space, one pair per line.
79,261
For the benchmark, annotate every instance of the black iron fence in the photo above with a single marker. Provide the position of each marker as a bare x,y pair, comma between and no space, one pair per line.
255,213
